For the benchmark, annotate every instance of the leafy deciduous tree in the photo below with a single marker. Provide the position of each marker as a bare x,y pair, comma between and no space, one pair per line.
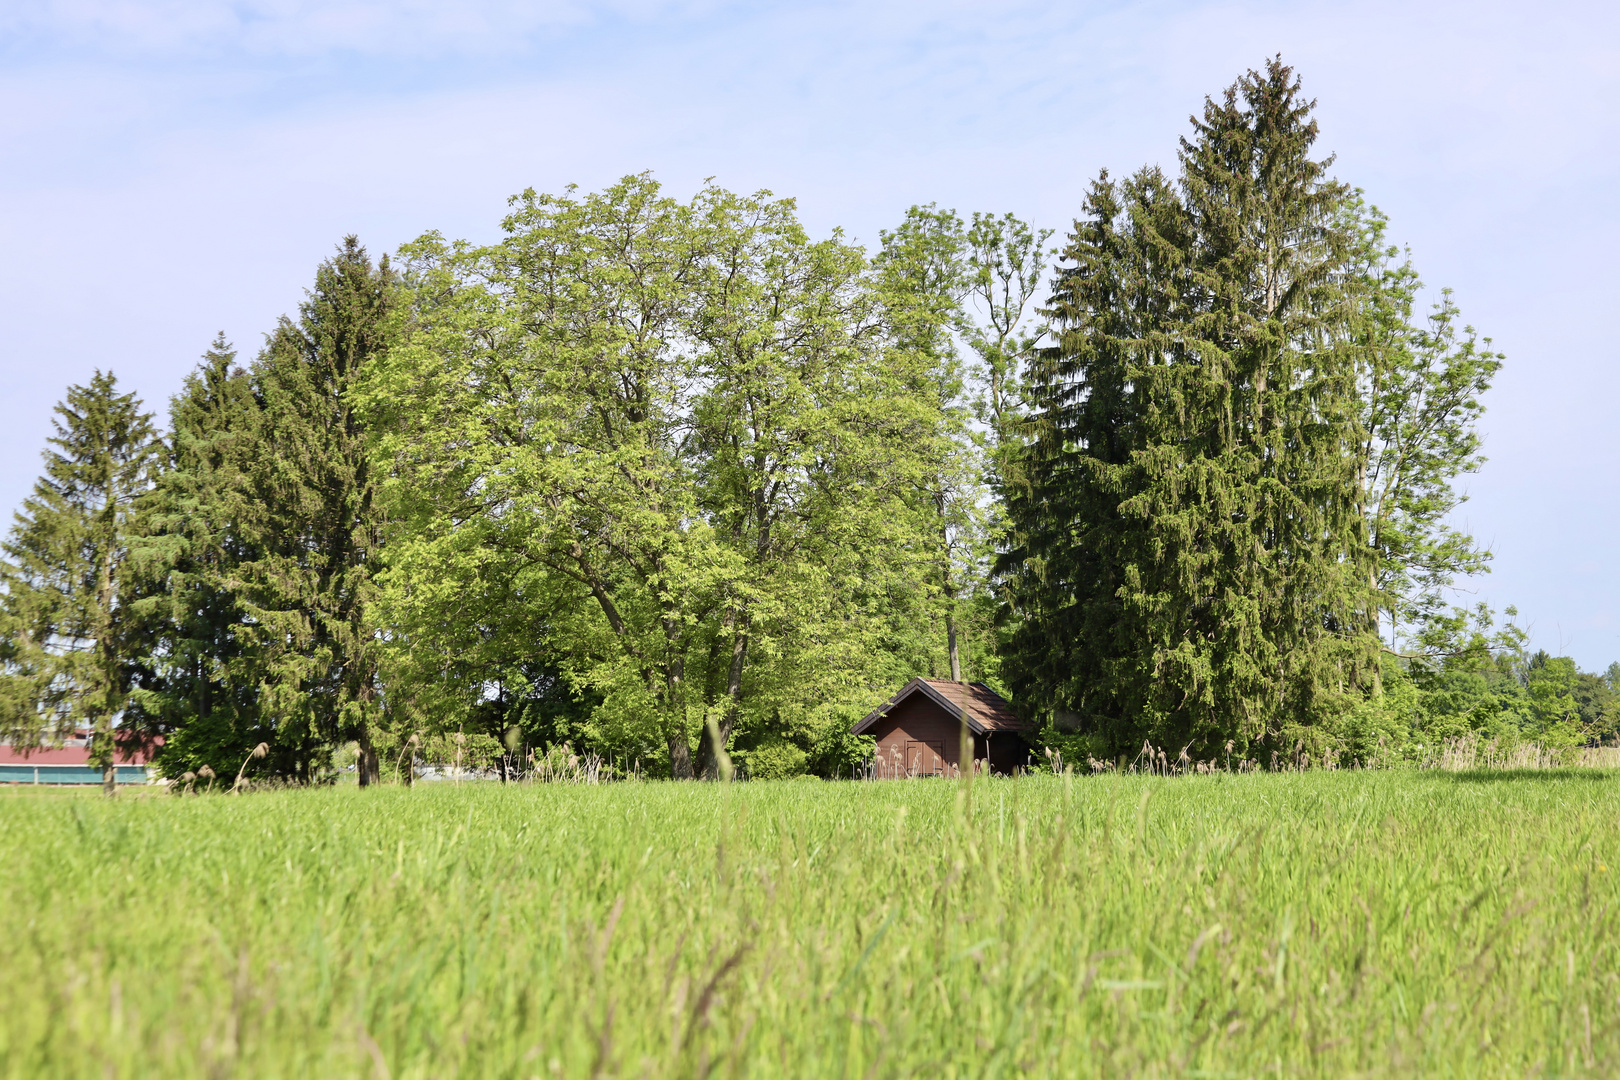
1420,393
682,432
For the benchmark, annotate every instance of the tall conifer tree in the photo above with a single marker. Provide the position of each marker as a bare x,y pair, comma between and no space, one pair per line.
1072,650
1191,513
310,589
191,548
73,644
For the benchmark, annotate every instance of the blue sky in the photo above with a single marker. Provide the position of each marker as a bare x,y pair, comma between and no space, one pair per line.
177,167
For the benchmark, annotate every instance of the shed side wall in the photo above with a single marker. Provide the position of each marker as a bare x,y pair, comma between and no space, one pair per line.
1008,752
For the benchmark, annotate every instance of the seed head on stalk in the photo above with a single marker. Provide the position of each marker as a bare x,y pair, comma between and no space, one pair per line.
258,752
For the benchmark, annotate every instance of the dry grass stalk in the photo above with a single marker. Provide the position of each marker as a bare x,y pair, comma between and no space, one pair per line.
241,774
410,748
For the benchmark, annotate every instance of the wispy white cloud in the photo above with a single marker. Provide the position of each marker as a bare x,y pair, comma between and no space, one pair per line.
310,27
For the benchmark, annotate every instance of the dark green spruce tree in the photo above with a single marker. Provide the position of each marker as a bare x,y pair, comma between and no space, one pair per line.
310,589
1189,562
1073,649
191,546
73,643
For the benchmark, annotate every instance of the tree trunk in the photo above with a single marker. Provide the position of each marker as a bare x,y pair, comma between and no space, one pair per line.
680,757
950,593
728,716
104,594
680,754
367,764
1378,662
206,684
965,750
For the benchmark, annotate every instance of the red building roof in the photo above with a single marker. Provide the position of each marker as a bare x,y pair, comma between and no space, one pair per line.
76,751
986,710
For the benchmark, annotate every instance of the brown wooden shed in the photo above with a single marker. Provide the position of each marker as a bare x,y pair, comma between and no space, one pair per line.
919,730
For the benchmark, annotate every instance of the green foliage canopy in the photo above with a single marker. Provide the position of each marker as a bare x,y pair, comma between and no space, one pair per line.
679,443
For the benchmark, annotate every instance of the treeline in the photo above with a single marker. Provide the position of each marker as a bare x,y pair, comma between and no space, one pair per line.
653,477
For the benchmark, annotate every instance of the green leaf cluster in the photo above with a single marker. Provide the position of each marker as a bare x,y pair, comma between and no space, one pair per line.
679,447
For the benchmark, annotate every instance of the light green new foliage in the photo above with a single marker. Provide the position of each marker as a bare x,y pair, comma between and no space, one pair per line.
963,291
1321,924
1552,704
679,438
1420,389
924,266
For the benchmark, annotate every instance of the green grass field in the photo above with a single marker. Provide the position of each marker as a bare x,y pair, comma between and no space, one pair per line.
1322,924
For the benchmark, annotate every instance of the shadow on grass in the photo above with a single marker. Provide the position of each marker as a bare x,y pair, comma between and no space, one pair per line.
1496,776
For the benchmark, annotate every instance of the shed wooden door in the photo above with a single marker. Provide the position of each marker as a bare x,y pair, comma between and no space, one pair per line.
925,759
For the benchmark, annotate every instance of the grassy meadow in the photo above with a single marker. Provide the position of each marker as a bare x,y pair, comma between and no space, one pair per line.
1321,924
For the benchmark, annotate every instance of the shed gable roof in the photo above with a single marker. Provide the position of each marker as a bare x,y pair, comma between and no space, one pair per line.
987,711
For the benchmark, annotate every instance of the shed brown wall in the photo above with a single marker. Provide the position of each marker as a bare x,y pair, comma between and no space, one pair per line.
919,738
1008,751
